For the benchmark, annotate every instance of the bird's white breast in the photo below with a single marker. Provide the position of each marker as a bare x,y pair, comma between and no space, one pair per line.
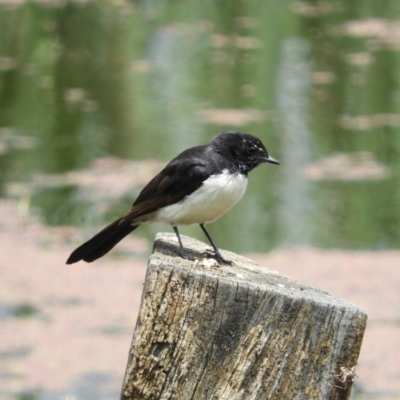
215,197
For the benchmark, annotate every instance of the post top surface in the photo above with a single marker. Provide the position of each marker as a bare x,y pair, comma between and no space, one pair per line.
243,271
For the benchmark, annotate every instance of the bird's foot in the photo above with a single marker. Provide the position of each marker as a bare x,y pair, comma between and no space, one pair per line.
218,257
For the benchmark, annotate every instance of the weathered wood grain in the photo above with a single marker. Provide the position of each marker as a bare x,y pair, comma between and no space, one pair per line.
212,332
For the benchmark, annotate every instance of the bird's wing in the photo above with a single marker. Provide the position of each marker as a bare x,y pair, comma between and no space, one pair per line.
177,180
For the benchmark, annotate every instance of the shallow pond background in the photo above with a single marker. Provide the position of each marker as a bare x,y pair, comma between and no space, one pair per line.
318,82
95,97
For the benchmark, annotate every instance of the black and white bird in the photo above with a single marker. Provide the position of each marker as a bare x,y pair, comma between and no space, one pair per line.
197,187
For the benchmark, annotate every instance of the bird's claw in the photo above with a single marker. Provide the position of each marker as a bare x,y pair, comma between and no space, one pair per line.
218,257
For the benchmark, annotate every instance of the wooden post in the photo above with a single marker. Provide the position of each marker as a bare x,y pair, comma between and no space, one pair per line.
245,332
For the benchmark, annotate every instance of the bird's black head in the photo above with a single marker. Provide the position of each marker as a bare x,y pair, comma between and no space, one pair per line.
246,151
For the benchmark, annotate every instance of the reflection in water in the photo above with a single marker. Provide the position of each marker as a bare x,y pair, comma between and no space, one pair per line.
79,82
355,166
293,87
172,52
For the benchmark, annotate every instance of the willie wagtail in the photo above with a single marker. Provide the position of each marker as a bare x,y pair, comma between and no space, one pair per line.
196,187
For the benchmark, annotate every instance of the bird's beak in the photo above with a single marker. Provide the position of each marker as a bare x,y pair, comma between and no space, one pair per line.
271,160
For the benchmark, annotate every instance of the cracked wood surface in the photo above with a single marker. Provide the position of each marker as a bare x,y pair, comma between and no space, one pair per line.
243,331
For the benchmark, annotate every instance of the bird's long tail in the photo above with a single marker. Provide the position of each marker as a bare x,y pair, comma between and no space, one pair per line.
103,242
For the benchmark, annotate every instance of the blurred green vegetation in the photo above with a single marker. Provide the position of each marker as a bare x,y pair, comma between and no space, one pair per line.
144,79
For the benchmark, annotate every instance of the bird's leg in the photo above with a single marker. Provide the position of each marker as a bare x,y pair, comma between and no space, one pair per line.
183,252
217,255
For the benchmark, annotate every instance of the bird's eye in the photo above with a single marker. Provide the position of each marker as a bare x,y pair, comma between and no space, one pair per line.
251,150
